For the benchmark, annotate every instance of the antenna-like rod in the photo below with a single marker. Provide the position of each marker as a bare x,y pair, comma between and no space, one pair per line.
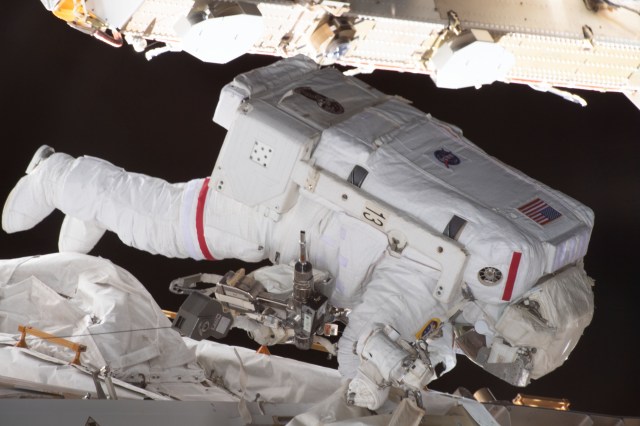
303,248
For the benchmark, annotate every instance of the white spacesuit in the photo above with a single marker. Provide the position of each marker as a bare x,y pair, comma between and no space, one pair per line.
427,236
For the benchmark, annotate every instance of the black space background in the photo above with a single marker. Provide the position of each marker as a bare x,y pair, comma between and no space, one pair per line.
81,96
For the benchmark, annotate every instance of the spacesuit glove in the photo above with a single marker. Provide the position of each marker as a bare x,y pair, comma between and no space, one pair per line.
364,392
387,359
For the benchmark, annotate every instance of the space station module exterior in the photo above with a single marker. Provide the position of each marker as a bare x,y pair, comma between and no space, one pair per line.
421,229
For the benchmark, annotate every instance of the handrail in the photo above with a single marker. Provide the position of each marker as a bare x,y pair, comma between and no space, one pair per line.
76,347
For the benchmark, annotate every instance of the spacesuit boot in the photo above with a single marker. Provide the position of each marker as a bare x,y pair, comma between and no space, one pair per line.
34,196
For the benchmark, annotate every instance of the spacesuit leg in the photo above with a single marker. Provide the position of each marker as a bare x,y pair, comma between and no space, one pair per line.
142,210
175,220
78,236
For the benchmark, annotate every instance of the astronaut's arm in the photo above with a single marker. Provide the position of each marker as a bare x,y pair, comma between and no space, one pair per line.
384,344
388,360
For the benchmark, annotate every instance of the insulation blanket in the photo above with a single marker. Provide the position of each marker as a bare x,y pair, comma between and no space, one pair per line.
103,306
259,377
29,367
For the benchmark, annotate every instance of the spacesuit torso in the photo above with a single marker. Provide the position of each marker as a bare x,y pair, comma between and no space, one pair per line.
514,232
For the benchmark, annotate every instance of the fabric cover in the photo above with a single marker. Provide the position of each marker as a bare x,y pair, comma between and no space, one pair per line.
105,306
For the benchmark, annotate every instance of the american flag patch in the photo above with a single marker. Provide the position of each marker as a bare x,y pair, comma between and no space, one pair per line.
539,211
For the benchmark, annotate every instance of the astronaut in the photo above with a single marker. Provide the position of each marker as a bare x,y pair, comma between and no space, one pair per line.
433,244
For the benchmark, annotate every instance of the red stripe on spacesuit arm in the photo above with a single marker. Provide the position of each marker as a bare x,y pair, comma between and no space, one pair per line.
511,277
202,197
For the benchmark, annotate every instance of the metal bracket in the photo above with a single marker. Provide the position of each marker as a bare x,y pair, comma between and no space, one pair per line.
190,284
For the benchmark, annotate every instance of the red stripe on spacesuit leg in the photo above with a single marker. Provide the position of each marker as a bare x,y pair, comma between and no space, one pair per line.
202,197
511,277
